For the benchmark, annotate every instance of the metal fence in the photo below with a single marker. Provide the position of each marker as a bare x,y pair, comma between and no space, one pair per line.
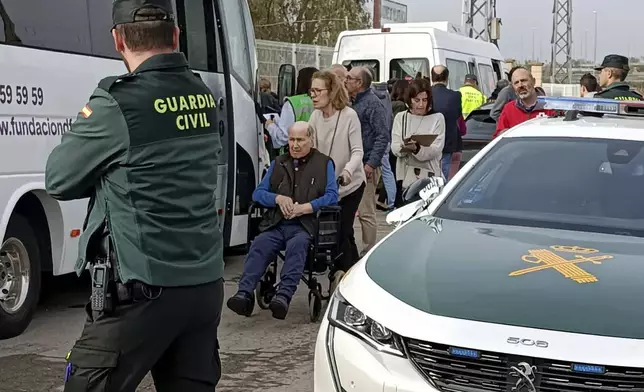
271,54
562,90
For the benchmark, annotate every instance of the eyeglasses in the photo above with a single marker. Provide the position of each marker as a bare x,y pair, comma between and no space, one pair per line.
317,91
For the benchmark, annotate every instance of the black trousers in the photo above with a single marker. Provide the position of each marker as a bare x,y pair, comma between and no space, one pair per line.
349,249
174,336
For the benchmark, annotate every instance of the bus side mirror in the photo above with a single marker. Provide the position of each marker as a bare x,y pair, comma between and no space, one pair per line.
286,81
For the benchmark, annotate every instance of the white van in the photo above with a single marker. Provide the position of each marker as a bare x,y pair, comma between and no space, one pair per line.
402,50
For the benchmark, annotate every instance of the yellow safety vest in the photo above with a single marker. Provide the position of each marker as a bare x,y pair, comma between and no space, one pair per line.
472,99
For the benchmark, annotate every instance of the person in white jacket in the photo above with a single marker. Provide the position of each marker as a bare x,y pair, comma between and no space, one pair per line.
337,133
416,161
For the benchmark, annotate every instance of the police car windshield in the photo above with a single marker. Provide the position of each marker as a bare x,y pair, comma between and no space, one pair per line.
562,183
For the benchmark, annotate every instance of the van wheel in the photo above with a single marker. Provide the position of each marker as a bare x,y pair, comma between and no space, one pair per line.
20,277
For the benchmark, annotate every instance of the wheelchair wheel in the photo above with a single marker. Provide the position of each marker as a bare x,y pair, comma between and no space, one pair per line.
315,305
265,291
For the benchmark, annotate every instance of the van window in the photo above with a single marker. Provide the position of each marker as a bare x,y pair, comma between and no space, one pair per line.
497,69
472,68
373,64
408,68
457,71
487,81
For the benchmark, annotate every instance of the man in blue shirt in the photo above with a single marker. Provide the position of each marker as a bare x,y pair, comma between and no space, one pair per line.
295,186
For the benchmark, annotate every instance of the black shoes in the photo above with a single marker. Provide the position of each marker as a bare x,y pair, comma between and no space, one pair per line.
241,303
279,306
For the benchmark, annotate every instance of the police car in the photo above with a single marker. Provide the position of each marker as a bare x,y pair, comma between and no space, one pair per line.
526,273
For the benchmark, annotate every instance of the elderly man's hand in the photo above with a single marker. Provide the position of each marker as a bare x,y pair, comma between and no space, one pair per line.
301,209
286,205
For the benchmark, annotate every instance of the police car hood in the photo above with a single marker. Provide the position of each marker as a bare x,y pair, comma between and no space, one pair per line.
549,279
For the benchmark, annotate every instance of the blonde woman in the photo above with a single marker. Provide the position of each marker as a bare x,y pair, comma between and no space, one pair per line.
337,133
416,161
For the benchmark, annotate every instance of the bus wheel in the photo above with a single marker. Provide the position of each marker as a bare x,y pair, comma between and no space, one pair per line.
19,277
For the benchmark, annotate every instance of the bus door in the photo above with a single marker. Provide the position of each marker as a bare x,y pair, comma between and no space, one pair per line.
237,46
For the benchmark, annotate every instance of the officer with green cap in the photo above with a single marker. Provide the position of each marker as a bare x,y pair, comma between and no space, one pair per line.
612,74
145,149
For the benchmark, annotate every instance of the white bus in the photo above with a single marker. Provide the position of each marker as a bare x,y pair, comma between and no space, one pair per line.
52,55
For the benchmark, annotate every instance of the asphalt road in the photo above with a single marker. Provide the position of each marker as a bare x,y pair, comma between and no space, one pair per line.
258,354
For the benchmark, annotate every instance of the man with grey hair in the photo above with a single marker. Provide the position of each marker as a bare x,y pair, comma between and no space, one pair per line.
375,122
340,71
295,187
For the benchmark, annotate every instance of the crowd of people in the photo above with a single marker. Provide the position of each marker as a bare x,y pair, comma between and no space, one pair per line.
395,133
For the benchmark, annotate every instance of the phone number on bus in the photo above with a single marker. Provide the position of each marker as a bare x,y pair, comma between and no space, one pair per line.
21,95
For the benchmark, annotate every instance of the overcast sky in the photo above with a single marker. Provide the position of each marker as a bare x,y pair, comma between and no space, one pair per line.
617,20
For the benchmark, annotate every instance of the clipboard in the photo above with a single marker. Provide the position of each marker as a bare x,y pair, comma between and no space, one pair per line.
423,140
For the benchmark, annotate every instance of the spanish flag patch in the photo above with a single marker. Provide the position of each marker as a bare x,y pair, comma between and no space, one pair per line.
86,111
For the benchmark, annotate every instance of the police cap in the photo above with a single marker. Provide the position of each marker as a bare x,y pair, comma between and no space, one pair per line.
126,11
614,61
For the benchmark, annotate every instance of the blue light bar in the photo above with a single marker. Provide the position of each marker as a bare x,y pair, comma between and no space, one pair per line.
593,105
591,369
464,352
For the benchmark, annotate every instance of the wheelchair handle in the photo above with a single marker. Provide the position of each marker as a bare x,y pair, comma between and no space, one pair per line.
339,181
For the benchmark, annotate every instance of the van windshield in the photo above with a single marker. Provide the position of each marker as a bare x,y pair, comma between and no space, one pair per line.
408,68
373,64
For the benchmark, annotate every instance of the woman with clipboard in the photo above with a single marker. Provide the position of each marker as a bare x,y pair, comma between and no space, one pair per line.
418,136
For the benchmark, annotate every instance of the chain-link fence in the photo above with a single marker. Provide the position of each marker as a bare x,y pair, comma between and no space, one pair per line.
271,54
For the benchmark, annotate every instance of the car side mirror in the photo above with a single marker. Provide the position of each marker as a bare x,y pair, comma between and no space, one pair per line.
425,189
286,81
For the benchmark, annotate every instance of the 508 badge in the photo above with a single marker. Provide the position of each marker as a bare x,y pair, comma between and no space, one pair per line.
528,342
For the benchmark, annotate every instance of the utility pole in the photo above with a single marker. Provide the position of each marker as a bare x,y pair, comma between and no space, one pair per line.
480,21
377,17
561,58
595,51
534,57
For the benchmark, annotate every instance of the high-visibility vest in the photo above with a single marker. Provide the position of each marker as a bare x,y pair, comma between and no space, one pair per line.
472,99
302,106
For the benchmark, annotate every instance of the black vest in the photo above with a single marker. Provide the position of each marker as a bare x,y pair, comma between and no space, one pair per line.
303,184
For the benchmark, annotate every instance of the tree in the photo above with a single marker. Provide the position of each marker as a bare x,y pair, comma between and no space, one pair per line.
316,22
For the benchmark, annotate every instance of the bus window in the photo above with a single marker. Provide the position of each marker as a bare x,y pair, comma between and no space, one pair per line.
457,71
237,38
408,68
487,83
193,28
46,24
373,64
100,24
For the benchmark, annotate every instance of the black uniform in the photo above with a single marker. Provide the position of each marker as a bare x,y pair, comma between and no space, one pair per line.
619,90
145,148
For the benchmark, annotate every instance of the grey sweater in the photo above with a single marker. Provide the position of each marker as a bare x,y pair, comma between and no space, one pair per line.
506,95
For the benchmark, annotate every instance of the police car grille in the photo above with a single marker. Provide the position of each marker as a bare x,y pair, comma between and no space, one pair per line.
451,374
493,372
559,376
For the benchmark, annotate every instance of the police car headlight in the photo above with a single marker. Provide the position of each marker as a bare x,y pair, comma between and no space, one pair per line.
347,317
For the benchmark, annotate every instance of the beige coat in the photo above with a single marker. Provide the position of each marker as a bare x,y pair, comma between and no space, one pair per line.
410,167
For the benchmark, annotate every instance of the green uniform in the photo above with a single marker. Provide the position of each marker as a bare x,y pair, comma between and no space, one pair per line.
149,150
145,150
620,91
472,99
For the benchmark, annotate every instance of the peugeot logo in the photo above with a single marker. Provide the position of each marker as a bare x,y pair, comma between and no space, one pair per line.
525,381
528,342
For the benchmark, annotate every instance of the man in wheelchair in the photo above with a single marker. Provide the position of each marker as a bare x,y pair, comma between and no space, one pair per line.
295,186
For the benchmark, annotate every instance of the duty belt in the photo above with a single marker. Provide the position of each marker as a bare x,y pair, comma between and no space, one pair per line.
136,292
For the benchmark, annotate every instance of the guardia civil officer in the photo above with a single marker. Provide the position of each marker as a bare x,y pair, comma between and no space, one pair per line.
612,75
145,150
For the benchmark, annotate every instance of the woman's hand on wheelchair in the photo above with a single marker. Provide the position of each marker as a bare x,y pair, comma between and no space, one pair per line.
345,178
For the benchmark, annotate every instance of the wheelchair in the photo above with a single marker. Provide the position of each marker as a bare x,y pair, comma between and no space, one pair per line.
323,253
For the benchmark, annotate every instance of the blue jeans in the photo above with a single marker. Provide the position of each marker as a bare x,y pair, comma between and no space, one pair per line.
446,161
264,248
388,179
